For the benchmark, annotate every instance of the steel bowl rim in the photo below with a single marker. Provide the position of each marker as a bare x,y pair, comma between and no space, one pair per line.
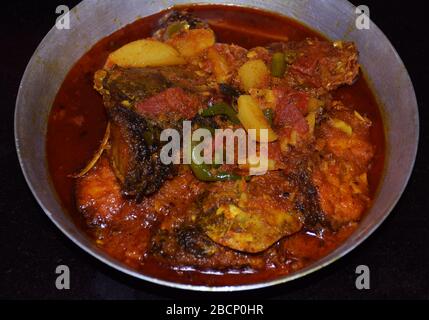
338,253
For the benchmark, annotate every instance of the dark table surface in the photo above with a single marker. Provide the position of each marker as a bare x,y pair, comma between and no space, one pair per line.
31,246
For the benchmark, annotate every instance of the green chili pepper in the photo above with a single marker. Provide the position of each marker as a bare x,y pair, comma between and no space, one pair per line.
221,108
269,115
203,171
278,65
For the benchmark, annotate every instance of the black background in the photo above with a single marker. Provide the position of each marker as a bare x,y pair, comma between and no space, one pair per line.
31,246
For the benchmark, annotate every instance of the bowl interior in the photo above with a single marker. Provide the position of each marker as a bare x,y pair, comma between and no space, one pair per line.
93,20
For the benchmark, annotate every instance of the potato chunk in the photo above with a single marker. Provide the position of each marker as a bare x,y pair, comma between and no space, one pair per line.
220,66
145,53
252,117
254,74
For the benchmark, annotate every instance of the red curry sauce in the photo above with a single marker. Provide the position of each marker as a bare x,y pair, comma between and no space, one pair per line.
77,121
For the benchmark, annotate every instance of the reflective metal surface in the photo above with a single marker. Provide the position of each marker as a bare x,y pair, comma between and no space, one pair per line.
92,20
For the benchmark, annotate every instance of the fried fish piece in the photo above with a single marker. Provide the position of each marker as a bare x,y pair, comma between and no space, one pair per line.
240,216
251,230
321,63
128,85
134,153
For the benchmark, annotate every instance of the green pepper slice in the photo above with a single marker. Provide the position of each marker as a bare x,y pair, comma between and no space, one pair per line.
221,108
203,171
278,65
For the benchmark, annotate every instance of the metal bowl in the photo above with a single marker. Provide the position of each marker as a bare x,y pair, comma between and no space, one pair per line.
92,20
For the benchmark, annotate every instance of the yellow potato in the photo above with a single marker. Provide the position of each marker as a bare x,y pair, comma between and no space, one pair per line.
252,117
191,43
311,121
254,74
220,66
145,53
